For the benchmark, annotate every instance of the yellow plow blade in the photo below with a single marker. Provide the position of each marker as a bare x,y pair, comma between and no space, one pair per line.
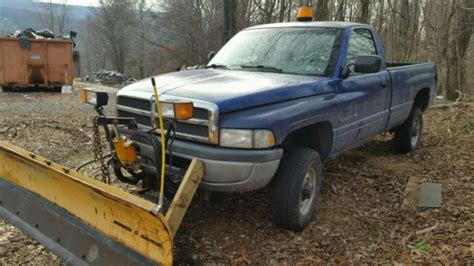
82,220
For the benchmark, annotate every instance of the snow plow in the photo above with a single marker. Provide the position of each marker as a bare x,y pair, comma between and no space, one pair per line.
89,222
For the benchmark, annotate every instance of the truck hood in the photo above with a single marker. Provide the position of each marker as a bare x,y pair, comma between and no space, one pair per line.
231,90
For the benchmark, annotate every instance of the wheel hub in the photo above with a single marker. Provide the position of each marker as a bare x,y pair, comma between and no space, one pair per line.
415,131
308,191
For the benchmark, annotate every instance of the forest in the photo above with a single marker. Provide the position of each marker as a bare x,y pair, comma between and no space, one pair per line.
145,37
369,210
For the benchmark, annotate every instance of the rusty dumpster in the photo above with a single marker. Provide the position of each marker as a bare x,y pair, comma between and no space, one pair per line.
35,63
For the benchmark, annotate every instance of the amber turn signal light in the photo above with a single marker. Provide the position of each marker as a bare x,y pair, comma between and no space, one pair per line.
183,111
177,109
94,97
305,13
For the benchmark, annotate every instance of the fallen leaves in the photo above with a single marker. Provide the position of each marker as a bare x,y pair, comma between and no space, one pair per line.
358,221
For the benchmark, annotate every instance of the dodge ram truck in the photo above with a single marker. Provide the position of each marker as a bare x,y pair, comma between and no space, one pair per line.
279,99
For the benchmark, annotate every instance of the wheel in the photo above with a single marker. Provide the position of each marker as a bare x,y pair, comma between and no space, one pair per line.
296,188
211,198
7,89
216,197
408,135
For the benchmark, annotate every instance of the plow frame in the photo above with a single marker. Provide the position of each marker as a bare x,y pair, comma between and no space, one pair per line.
83,220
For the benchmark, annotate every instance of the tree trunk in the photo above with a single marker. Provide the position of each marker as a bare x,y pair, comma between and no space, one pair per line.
322,10
364,12
341,11
456,73
230,7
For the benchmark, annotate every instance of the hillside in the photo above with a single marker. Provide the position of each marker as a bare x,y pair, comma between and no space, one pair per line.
21,14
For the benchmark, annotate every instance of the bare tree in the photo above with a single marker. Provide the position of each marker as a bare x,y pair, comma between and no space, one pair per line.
459,42
179,32
113,22
140,39
54,16
230,10
364,13
322,10
341,10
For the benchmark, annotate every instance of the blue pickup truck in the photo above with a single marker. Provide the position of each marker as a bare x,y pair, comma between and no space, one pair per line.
279,99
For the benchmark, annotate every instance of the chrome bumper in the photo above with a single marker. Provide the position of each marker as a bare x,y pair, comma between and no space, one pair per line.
226,170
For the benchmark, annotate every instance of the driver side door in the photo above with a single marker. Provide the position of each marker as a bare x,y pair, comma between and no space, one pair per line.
364,97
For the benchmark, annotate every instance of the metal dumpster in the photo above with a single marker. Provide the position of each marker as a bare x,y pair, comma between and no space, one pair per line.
35,63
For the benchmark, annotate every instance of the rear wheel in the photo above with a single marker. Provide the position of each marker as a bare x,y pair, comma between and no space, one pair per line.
408,135
296,189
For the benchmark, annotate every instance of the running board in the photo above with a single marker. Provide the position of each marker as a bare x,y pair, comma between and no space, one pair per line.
83,220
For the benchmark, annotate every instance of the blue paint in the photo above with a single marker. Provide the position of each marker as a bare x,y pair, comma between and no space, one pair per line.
357,108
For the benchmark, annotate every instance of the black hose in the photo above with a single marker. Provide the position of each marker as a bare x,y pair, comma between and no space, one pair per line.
129,180
170,141
149,138
90,162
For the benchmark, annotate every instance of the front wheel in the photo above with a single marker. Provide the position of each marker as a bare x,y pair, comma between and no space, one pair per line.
296,188
408,135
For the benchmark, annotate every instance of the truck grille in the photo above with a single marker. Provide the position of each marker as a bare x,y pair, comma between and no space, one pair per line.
134,103
141,119
202,127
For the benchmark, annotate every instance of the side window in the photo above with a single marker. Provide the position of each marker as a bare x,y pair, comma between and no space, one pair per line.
361,43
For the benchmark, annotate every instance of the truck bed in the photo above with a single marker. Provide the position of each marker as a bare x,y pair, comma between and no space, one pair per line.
392,65
407,80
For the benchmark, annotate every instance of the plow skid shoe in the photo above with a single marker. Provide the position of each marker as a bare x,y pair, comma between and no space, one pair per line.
82,220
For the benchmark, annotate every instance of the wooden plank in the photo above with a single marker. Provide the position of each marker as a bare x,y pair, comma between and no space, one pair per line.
412,193
184,196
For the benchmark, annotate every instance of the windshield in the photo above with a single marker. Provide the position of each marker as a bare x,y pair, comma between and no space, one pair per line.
305,51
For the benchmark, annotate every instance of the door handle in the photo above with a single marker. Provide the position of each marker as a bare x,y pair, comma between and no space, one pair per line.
383,84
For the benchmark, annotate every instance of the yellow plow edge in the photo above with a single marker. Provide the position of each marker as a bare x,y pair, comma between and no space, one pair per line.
122,217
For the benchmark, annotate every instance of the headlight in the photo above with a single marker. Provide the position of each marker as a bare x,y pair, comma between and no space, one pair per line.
167,110
179,110
95,97
246,138
236,138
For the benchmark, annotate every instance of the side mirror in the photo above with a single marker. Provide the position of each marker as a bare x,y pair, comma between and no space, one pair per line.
366,64
210,56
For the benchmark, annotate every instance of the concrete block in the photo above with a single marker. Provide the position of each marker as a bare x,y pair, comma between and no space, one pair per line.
430,195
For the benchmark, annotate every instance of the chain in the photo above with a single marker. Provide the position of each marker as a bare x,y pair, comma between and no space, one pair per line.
99,153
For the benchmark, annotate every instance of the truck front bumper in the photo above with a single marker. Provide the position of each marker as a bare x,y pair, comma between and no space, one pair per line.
226,170
231,170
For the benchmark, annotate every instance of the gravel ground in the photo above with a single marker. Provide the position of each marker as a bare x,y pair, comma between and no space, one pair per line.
359,220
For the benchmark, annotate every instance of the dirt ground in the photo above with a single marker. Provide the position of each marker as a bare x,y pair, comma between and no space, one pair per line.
359,219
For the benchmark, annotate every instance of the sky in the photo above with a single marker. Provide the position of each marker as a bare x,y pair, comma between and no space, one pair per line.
69,2
73,2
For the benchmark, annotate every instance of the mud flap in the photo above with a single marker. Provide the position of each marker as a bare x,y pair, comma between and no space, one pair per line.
82,220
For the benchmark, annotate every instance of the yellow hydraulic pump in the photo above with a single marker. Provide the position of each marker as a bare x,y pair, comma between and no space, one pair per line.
126,151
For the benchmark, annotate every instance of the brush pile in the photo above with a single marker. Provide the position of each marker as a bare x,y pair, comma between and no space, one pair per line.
108,77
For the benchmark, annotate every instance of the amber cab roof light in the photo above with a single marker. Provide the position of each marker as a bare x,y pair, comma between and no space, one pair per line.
305,13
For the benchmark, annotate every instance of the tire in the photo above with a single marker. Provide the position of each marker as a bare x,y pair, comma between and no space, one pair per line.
408,135
296,189
7,89
216,197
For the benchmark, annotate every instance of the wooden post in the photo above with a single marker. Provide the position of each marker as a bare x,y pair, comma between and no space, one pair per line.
184,196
